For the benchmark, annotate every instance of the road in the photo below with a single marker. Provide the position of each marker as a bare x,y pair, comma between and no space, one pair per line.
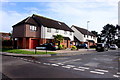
104,65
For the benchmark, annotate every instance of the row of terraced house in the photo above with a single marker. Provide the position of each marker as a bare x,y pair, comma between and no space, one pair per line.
36,30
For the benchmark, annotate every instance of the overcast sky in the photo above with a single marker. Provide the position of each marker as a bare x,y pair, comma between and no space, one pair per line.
71,12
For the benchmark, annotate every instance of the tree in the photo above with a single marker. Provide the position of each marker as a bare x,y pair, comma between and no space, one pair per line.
58,38
95,33
118,31
108,34
118,35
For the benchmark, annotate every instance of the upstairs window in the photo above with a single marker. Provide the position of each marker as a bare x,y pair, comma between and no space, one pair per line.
48,29
33,28
91,36
84,35
57,31
70,33
65,32
87,36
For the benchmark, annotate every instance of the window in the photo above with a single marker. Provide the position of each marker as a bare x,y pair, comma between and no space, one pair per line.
70,33
33,28
65,32
48,29
57,31
84,35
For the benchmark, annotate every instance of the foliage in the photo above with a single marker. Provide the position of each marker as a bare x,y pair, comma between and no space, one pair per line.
58,38
60,46
73,48
18,51
7,43
95,33
108,33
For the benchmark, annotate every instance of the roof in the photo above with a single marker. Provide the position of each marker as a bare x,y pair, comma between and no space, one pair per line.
3,33
75,39
84,31
46,22
28,20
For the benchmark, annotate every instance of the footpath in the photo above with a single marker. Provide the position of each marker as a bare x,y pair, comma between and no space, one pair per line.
66,52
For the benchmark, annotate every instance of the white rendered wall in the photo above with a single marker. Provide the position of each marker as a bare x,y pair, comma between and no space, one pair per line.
49,35
81,37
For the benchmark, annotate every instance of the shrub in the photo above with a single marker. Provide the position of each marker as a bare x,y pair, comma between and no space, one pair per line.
73,48
60,46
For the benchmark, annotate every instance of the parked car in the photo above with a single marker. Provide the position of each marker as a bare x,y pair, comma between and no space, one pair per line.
101,47
48,46
79,46
113,46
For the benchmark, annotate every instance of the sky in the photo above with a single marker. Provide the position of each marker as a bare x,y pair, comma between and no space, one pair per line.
71,12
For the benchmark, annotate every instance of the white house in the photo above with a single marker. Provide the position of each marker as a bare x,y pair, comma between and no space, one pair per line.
83,36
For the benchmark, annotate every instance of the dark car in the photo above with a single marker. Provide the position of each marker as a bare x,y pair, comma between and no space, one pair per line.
101,47
47,46
79,46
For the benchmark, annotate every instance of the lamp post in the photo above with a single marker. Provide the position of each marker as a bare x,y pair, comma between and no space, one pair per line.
87,33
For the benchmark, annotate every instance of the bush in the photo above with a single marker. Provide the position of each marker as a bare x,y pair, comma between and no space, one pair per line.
60,46
73,48
7,43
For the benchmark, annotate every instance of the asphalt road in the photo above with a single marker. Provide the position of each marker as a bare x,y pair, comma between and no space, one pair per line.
98,65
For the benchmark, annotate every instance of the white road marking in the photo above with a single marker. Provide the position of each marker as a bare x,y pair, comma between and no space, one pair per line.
37,62
24,59
66,67
84,67
101,70
96,72
46,63
54,65
70,66
118,72
116,76
21,58
76,60
78,69
60,63
29,60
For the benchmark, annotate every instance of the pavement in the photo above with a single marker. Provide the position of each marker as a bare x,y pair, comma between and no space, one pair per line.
66,52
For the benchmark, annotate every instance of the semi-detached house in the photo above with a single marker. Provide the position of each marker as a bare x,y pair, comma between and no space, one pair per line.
35,30
83,36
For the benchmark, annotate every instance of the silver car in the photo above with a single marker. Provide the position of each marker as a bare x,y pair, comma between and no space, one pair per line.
113,46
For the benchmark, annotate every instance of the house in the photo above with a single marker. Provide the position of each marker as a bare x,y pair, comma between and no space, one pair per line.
83,36
35,30
5,36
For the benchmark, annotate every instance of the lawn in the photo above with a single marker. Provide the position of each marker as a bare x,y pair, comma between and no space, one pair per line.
18,51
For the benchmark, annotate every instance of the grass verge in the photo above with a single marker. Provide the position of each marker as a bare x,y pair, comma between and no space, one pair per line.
18,51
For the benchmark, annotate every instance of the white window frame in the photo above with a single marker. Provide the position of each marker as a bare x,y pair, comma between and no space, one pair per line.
57,31
70,33
48,29
33,28
65,32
